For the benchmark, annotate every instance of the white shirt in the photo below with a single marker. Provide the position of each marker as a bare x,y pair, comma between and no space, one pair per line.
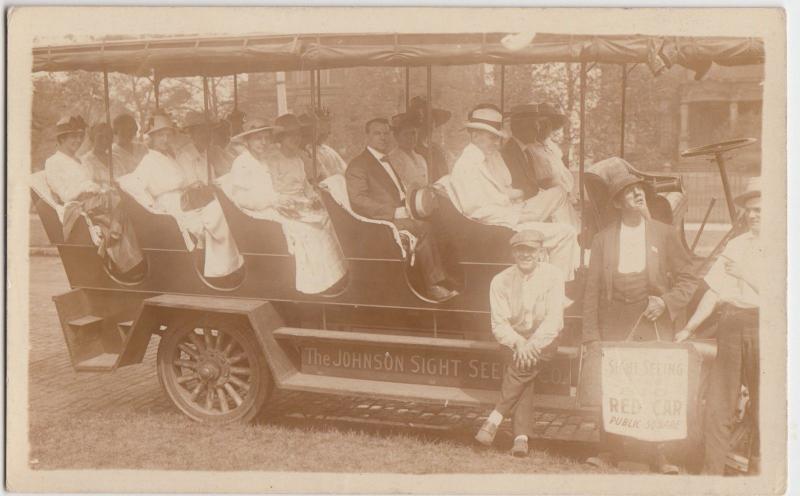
67,177
527,305
384,161
745,250
632,249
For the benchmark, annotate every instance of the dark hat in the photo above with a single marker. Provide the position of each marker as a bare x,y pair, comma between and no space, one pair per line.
752,190
620,180
421,202
417,107
194,118
70,124
288,123
528,237
539,111
405,121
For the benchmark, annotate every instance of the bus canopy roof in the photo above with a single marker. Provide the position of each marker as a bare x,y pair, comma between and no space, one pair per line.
219,56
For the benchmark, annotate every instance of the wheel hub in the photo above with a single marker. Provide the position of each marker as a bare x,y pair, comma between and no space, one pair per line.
208,371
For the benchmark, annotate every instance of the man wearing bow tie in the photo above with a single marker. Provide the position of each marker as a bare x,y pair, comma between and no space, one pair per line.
376,191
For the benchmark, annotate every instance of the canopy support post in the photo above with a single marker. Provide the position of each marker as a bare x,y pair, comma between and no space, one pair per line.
622,112
502,88
206,97
319,90
429,115
108,121
235,92
156,86
408,89
582,158
314,95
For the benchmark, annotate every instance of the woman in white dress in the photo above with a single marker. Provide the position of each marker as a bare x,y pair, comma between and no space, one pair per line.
270,183
161,184
548,160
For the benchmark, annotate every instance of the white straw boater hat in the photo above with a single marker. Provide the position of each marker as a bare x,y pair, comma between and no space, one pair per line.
752,189
486,118
252,126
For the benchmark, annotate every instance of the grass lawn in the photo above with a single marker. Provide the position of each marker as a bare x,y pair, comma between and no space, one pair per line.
170,441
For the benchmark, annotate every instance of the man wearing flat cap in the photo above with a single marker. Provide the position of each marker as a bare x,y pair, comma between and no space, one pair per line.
733,288
527,312
639,282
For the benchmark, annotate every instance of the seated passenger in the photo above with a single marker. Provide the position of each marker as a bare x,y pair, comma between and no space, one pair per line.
72,184
126,153
270,183
329,162
97,159
480,186
192,155
376,192
439,159
220,152
160,183
547,158
410,165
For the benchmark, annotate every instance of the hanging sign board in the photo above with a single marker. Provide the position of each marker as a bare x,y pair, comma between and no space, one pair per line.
648,389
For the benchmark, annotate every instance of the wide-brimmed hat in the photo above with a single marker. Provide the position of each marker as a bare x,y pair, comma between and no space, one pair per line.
159,122
486,119
620,180
752,189
70,124
404,121
528,237
252,126
288,123
539,111
194,118
418,108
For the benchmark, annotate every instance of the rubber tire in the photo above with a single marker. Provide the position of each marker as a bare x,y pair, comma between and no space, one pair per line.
261,379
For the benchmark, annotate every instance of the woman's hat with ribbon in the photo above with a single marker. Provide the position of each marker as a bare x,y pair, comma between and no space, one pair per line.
70,124
252,126
486,118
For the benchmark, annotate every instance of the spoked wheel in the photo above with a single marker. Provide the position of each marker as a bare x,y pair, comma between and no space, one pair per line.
214,371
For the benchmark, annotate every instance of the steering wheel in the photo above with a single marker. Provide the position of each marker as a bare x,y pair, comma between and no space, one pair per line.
717,148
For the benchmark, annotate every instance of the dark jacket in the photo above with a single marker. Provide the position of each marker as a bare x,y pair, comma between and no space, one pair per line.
523,175
669,272
372,192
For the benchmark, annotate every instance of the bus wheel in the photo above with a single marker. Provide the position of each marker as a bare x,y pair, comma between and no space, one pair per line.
214,372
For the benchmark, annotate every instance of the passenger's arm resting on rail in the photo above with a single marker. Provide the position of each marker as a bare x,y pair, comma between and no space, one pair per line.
684,282
362,203
553,321
501,315
592,292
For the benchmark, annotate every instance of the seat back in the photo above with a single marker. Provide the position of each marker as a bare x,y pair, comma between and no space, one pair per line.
153,231
252,235
471,241
358,238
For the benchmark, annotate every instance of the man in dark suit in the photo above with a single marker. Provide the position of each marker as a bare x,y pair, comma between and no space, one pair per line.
375,191
639,283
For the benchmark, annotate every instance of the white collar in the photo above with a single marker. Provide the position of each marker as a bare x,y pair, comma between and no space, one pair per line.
379,156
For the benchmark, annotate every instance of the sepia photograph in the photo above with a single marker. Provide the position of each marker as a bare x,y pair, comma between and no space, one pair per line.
473,250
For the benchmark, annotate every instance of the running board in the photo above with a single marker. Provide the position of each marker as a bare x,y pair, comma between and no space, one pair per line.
449,371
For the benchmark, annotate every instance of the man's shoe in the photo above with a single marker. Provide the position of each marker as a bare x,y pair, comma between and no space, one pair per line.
520,447
604,460
664,467
440,293
485,436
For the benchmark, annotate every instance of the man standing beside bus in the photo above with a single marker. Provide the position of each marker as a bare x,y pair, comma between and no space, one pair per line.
527,308
733,286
